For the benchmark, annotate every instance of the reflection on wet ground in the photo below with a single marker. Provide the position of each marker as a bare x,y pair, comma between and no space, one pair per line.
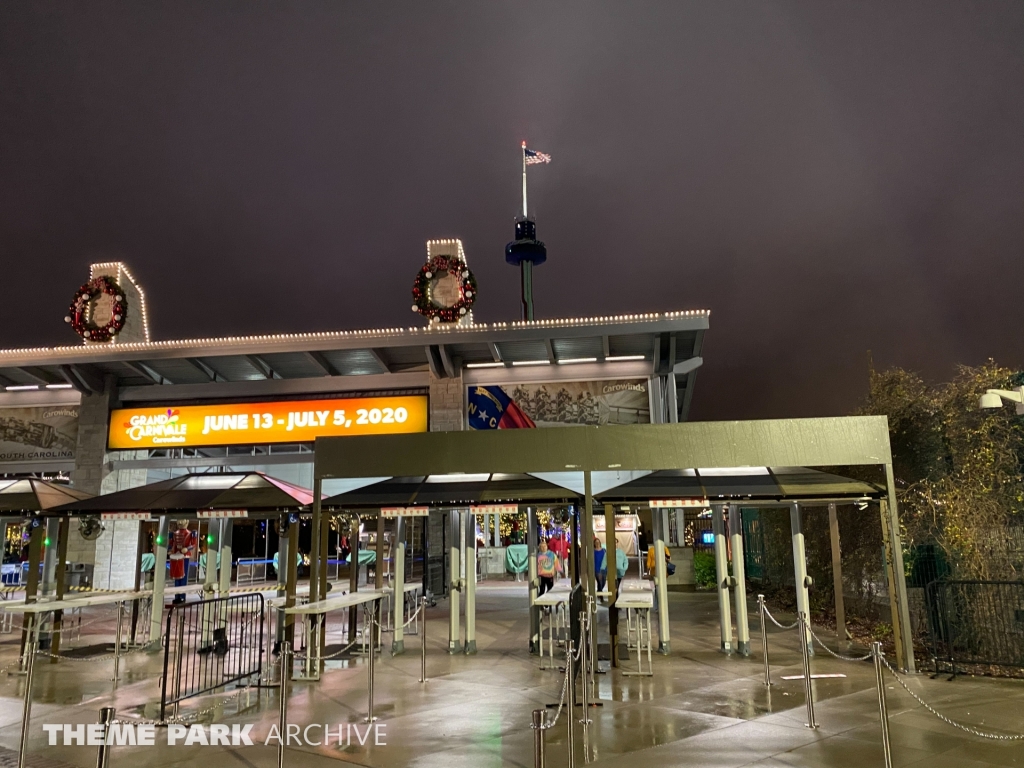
701,707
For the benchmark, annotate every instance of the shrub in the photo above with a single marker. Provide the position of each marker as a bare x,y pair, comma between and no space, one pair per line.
704,569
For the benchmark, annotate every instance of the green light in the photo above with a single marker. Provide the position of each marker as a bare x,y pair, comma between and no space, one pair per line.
46,541
209,538
160,540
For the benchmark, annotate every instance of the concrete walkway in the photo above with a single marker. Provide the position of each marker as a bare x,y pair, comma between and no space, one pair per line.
700,709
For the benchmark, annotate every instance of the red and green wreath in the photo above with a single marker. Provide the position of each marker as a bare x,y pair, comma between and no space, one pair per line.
450,308
81,310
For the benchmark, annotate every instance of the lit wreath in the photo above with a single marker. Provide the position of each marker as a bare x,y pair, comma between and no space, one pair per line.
79,314
421,289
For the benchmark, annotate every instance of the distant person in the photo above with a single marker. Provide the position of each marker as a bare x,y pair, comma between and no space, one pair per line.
621,566
547,568
600,565
182,545
670,567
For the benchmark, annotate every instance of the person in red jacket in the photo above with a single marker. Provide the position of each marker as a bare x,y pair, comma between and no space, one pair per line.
182,545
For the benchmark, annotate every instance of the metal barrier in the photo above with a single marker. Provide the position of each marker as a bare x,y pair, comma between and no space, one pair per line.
975,622
249,570
210,644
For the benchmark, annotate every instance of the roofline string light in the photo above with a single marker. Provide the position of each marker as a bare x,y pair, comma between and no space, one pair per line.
572,322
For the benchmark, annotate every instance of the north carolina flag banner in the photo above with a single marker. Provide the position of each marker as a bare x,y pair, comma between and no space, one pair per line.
491,408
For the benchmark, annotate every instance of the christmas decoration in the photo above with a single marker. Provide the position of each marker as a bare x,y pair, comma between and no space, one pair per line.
98,311
444,290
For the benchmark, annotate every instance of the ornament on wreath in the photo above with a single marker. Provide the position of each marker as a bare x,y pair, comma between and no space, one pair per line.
444,290
98,311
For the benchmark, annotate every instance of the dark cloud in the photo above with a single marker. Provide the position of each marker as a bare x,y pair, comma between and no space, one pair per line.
827,178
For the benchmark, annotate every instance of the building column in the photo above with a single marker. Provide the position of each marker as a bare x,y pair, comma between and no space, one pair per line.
613,577
902,633
722,576
455,585
532,542
156,614
837,571
227,528
739,581
210,584
660,518
470,555
398,548
801,579
284,555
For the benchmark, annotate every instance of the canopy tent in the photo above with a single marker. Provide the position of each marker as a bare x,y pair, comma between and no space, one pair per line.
33,495
184,496
450,491
744,484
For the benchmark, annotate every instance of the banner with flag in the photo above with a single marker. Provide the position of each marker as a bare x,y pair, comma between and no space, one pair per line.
492,408
534,158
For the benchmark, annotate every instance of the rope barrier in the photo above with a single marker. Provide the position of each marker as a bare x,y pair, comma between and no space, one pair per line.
947,720
561,704
777,624
839,656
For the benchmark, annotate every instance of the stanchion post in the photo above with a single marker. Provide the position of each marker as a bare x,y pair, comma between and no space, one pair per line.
32,635
883,710
538,738
286,666
801,625
103,755
764,640
423,641
570,700
117,642
372,654
584,657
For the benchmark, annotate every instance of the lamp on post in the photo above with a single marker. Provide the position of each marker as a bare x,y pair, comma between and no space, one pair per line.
994,398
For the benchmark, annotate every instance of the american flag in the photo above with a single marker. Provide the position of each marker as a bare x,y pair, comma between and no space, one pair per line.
533,158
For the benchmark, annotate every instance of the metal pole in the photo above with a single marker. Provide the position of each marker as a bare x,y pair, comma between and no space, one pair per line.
103,755
179,656
26,712
571,701
538,738
801,625
883,711
369,667
423,641
117,641
584,658
286,662
764,639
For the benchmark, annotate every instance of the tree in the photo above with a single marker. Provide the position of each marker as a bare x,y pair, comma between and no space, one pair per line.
958,468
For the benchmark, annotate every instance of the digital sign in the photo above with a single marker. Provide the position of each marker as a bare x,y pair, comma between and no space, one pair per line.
294,421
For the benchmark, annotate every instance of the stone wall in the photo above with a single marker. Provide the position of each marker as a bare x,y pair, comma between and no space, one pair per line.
446,404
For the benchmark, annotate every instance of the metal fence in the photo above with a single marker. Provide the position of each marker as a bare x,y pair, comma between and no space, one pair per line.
209,644
975,622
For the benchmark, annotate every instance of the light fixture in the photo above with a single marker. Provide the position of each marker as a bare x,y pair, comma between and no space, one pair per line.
485,365
623,358
529,362
994,398
58,386
574,360
21,387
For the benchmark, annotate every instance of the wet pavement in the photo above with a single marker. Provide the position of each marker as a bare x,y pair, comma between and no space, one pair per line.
701,708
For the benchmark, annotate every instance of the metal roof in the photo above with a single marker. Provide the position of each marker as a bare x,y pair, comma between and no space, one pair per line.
34,495
771,484
753,483
188,493
632,345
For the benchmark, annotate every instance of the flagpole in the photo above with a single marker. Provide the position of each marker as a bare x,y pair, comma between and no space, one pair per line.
524,179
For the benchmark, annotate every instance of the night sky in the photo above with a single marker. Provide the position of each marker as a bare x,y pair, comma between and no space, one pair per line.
826,178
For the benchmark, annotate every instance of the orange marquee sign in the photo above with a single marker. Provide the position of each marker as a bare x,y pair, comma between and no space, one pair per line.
295,421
